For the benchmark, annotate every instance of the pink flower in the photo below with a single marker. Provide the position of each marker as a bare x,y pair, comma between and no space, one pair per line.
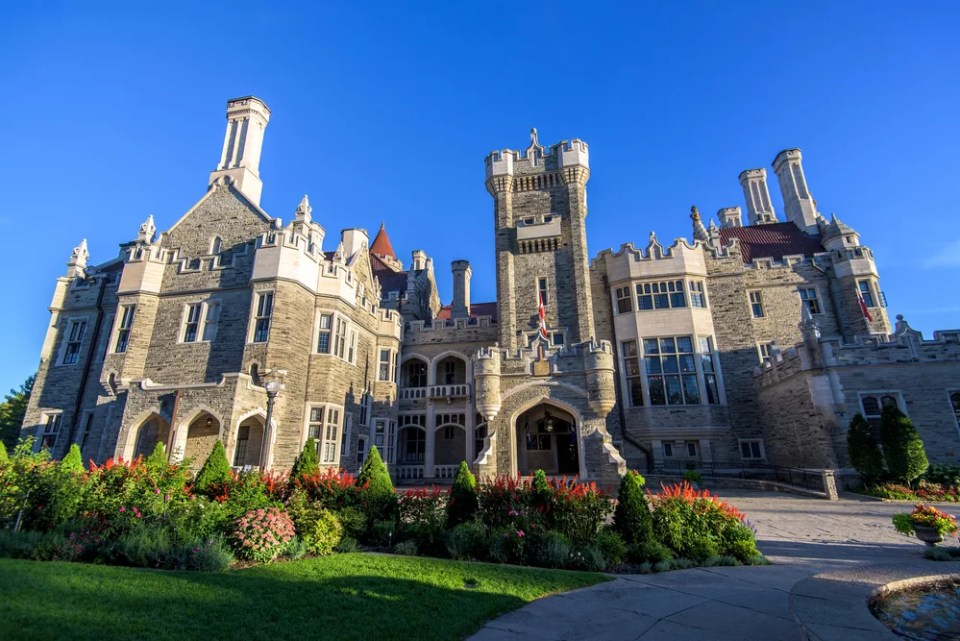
122,509
520,534
156,490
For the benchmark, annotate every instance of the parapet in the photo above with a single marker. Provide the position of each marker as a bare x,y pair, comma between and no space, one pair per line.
567,153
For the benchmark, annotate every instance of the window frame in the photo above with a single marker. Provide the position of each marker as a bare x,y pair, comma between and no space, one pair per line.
813,304
869,299
656,295
756,302
954,406
327,431
121,335
52,426
387,358
697,291
70,341
543,290
874,419
258,316
758,442
623,299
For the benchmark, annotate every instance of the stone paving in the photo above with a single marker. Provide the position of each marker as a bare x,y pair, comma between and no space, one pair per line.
827,558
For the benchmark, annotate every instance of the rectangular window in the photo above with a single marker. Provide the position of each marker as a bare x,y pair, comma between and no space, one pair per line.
955,404
668,450
385,437
764,350
211,321
361,451
352,348
542,290
191,323
873,403
324,427
557,339
87,428
756,304
340,337
104,344
51,430
383,371
708,363
661,295
366,404
671,368
624,300
123,328
809,297
72,352
261,326
323,337
698,297
751,450
631,367
866,293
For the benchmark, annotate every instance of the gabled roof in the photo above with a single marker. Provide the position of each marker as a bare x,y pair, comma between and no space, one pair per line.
381,244
390,279
774,241
476,309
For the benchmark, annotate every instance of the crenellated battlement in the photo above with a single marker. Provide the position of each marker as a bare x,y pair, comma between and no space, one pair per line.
535,159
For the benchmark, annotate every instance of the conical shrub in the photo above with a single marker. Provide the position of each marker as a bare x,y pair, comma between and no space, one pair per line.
215,470
308,463
632,518
375,476
73,461
463,503
864,451
902,447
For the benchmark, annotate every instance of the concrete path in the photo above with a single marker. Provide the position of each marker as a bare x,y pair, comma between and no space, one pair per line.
828,557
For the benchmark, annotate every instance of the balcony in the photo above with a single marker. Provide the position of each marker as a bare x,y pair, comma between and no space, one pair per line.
449,392
413,393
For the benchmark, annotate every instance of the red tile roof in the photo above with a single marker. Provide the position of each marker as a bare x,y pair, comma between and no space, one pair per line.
381,244
771,241
476,309
390,280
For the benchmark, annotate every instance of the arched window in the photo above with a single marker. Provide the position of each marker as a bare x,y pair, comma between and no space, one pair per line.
215,244
955,402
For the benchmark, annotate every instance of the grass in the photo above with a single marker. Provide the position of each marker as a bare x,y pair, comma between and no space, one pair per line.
342,597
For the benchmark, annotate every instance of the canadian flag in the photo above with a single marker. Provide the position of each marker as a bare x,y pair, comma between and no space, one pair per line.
863,306
542,317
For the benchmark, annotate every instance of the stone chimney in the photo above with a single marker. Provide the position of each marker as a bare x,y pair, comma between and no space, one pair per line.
419,258
247,120
353,240
461,288
730,217
799,205
759,208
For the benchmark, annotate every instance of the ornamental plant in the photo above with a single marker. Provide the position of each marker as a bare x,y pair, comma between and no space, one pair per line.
925,516
864,451
216,469
73,461
463,503
261,535
902,447
308,463
632,519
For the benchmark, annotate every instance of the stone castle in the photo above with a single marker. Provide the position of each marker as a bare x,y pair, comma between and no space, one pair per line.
753,344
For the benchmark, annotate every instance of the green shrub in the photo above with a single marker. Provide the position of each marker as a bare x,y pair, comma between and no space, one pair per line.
247,492
693,476
612,546
383,532
38,546
902,447
632,519
864,452
325,535
308,463
4,457
463,503
154,546
468,541
157,461
216,469
553,550
939,473
374,475
422,517
507,545
73,461
651,552
353,520
588,558
378,500
347,544
296,549
406,548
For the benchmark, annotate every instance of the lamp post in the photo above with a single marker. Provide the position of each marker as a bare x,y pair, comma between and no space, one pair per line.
273,384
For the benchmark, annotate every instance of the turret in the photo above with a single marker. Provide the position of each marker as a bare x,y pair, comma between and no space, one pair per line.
598,366
247,120
799,205
730,217
353,240
486,376
77,265
461,288
759,208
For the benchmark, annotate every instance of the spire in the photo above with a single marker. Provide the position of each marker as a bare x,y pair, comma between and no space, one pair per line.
699,231
303,210
535,150
77,264
381,244
147,230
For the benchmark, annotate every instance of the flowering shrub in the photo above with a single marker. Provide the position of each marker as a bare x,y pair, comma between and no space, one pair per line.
422,517
697,525
262,534
924,491
925,516
334,489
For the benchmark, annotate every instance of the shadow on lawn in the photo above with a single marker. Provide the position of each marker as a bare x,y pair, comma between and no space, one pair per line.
98,603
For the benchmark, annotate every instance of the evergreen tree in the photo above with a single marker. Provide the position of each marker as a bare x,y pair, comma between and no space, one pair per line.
73,461
215,470
864,451
12,409
157,460
308,463
463,503
374,473
632,518
902,447
4,457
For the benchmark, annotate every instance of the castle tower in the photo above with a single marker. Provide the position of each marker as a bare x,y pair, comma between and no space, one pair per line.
759,208
461,288
540,207
247,119
382,248
799,205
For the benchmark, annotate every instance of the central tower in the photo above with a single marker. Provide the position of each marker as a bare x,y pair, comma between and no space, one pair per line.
540,211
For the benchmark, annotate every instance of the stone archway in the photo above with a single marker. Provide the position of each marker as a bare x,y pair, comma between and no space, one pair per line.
547,440
199,437
144,438
248,446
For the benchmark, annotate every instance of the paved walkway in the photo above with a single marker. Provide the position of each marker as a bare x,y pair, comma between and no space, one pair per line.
827,559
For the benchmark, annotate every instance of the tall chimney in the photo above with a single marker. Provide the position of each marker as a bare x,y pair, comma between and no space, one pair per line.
759,208
247,119
353,240
799,205
730,217
461,288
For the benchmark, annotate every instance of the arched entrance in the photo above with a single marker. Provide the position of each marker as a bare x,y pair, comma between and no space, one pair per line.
144,438
197,440
547,440
249,443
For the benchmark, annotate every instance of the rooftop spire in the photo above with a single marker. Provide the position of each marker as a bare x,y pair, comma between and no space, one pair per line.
699,231
381,244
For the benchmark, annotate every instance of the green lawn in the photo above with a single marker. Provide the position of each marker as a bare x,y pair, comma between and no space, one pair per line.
341,597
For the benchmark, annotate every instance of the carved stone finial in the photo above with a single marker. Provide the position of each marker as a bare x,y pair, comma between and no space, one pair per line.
338,254
699,231
147,230
79,255
695,213
304,210
653,236
534,138
535,150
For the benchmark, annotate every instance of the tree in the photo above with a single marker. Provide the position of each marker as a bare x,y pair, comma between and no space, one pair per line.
308,463
864,451
12,409
215,470
374,474
73,461
157,461
902,447
4,457
463,503
632,518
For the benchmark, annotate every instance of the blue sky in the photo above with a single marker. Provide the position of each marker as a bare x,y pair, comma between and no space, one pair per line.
385,111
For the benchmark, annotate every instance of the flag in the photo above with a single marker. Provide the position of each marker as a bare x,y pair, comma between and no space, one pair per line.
542,317
863,306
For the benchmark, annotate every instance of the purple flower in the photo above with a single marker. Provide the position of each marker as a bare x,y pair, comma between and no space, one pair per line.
122,509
